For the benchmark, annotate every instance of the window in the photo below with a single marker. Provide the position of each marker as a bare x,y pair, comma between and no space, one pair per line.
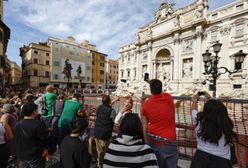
128,73
88,68
240,30
214,36
47,74
238,65
214,15
93,62
35,52
122,74
101,72
71,53
128,58
102,64
237,86
88,78
35,72
240,7
56,63
47,54
47,62
35,61
56,76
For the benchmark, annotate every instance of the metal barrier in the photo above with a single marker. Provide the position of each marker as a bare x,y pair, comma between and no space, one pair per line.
237,110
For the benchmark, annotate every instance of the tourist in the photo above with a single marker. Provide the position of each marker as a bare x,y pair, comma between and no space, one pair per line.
158,120
50,99
10,117
31,136
74,153
129,148
214,134
72,109
105,116
127,108
6,135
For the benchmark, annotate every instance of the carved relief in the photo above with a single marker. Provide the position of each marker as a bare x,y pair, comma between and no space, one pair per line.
188,45
225,30
187,68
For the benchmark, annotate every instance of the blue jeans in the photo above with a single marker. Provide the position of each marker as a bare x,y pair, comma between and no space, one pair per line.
166,152
35,163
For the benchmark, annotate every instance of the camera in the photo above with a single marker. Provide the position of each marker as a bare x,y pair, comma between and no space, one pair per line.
146,77
201,93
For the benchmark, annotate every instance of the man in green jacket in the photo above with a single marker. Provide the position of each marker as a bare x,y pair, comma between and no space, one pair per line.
72,108
50,98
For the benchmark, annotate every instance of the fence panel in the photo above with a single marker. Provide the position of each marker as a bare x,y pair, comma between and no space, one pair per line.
237,110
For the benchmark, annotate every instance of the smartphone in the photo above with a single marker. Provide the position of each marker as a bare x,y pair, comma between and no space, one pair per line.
146,77
201,93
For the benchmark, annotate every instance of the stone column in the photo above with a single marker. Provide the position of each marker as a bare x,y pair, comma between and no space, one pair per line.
176,57
197,59
149,63
139,66
154,70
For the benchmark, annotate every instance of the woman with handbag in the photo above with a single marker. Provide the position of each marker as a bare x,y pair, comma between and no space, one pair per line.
6,135
214,134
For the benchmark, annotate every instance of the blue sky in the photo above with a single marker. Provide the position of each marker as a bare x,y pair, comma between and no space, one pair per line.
108,24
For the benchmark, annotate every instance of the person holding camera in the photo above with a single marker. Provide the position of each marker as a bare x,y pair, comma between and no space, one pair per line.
214,134
127,108
158,120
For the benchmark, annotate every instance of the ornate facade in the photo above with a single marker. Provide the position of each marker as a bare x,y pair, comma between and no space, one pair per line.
78,56
170,48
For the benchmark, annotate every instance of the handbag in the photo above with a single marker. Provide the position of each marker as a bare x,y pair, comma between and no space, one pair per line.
234,159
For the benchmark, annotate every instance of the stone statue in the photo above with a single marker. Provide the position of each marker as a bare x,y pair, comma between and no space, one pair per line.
187,69
177,21
67,70
165,10
199,12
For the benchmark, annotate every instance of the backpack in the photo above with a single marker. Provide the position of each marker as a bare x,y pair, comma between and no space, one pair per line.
42,105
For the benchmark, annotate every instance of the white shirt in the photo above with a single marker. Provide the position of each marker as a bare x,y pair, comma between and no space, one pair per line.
220,150
119,117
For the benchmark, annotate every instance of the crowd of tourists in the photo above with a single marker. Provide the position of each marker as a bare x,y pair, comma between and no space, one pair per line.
36,123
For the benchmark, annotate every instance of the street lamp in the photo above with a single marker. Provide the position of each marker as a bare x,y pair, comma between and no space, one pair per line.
211,65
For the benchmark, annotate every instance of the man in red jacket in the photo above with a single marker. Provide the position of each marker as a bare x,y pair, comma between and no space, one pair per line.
158,120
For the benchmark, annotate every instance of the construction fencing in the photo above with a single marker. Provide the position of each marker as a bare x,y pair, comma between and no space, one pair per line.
237,109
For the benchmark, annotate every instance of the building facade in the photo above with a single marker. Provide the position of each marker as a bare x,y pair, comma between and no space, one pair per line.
111,73
98,70
35,64
69,52
170,48
4,38
15,73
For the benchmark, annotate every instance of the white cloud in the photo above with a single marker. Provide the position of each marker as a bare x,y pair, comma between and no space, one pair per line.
105,23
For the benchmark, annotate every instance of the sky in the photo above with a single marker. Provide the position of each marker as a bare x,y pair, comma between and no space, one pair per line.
108,24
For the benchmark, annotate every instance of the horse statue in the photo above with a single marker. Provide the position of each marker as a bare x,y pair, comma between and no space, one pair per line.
67,70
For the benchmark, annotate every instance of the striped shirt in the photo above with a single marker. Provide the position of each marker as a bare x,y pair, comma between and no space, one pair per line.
128,151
